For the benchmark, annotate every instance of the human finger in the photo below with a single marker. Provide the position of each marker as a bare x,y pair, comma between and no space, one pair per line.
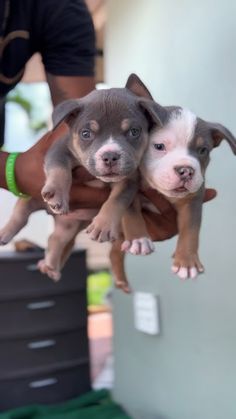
160,202
210,194
87,197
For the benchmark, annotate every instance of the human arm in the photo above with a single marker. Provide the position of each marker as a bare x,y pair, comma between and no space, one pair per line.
65,87
30,177
163,226
30,180
68,49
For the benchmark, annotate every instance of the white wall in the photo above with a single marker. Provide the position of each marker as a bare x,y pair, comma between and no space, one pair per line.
185,51
37,230
19,137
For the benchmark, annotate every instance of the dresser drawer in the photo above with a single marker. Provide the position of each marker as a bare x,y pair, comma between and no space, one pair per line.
32,355
40,316
19,276
48,388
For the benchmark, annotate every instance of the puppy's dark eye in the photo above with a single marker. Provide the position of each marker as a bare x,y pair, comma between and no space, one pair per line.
160,146
85,134
134,132
203,151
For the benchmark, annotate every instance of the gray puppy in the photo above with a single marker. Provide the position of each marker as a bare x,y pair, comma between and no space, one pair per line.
108,134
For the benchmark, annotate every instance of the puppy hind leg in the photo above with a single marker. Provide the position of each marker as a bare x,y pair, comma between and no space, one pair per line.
60,243
19,218
117,267
67,251
69,246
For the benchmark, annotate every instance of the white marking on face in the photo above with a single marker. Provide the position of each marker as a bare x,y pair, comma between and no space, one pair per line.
182,124
111,141
109,145
158,164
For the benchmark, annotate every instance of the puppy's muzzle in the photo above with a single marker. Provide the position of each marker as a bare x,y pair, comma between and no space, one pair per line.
185,173
110,158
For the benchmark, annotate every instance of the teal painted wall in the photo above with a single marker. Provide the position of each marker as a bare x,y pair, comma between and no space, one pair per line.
185,51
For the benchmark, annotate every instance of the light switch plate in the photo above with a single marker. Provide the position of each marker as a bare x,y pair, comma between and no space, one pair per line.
146,313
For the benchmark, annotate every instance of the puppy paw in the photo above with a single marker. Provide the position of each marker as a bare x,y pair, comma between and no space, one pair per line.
141,246
55,199
5,236
187,266
103,231
123,285
51,272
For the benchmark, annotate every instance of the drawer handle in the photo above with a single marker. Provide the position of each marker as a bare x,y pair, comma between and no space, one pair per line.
43,383
41,305
42,344
32,267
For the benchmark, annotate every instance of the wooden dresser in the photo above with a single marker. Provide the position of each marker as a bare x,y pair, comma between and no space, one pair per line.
44,356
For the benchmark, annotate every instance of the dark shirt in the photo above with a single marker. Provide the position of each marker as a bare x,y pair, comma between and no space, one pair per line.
61,30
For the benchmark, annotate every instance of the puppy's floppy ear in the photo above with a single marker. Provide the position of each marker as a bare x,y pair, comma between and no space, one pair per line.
156,114
136,86
66,111
219,133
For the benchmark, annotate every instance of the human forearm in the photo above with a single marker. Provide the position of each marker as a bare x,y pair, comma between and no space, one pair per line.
163,225
30,175
64,87
3,159
29,165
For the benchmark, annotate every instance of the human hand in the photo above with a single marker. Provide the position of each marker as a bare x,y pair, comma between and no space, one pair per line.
163,225
30,180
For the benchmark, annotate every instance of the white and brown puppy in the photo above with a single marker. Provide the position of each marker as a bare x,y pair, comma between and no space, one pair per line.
174,164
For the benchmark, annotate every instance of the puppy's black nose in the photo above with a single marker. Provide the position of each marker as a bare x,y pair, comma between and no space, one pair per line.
110,158
184,172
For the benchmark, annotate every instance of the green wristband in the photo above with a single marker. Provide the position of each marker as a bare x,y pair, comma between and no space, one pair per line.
10,175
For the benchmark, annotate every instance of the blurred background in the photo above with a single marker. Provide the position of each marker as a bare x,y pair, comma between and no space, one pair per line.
28,117
185,53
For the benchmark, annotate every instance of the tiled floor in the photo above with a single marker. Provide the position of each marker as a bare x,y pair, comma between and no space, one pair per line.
100,339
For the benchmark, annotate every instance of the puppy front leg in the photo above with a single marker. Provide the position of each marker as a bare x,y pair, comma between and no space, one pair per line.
19,218
58,166
137,240
56,190
106,225
186,263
